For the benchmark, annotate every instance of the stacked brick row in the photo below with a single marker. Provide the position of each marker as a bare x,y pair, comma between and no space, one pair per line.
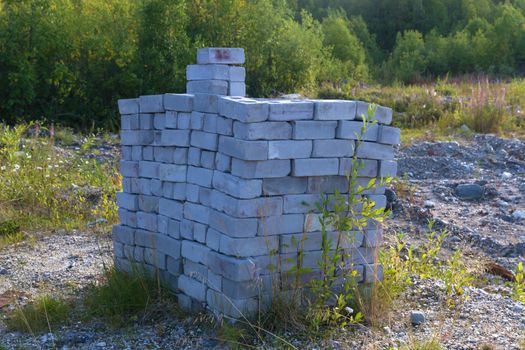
218,190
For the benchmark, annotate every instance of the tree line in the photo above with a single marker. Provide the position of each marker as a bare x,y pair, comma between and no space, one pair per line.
70,60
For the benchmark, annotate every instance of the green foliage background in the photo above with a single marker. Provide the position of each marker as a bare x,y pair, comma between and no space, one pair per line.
70,60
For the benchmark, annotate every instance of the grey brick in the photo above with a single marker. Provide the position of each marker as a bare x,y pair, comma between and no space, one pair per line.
174,190
246,289
214,281
224,126
205,196
311,130
197,120
281,224
371,150
261,169
247,208
235,186
118,249
313,241
243,109
173,266
138,255
128,106
194,251
163,154
262,131
208,159
192,193
353,129
149,169
169,246
286,110
234,308
300,203
145,186
335,110
170,208
126,185
147,152
213,239
162,224
234,227
194,156
366,167
245,247
315,167
217,87
183,121
373,238
136,153
123,234
363,182
223,162
156,187
236,88
383,115
327,184
147,221
178,102
284,185
289,149
170,121
159,121
126,152
387,168
389,135
237,73
129,169
129,122
151,104
232,268
218,55
207,72
180,156
195,270
196,212
246,150
149,204
172,172
145,238
136,137
199,232
146,121
200,176
179,138
210,123
333,148
174,228
207,103
186,229
204,140
192,287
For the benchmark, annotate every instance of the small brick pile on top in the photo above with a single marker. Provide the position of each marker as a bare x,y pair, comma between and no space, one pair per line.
219,191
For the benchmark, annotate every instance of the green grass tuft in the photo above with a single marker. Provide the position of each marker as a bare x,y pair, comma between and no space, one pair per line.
41,315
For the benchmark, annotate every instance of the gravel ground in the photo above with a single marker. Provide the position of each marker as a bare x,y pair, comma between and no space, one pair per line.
488,228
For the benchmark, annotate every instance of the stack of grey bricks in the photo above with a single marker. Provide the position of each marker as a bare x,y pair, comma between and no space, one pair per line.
218,189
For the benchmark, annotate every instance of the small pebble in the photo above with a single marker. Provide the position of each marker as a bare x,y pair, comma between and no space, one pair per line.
417,317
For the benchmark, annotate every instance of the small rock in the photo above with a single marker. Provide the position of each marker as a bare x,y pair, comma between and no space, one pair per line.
465,128
417,317
429,204
506,175
391,196
101,344
518,215
469,191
